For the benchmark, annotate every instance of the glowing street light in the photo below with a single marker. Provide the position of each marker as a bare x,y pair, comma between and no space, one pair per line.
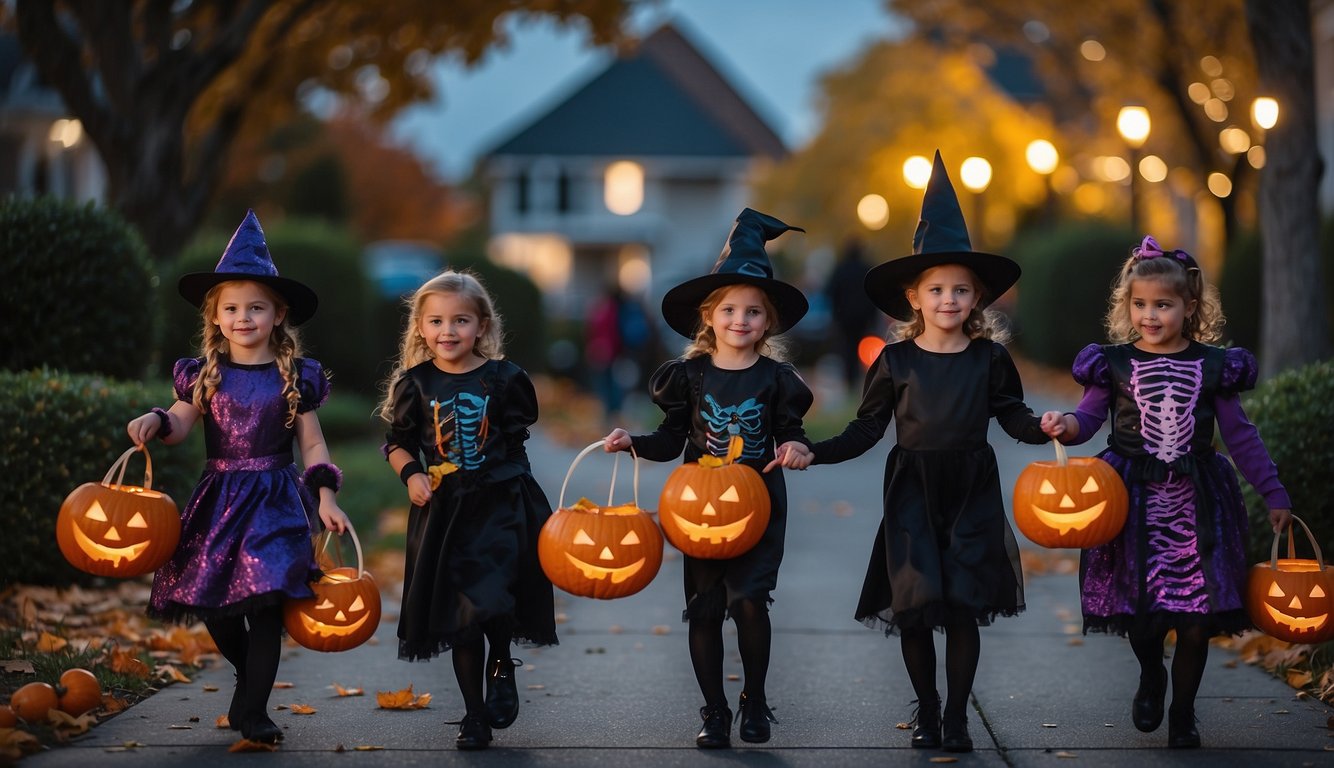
873,211
1133,124
975,173
1264,111
916,172
1042,156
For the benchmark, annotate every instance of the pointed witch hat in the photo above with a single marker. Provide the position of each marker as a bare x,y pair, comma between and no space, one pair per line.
743,261
246,257
941,238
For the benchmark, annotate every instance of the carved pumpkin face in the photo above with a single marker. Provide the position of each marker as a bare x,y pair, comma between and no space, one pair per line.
343,614
714,512
604,553
1293,601
1081,503
117,530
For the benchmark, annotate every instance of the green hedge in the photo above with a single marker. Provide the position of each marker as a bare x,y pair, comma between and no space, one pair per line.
1241,286
342,335
1294,412
58,431
1068,273
77,287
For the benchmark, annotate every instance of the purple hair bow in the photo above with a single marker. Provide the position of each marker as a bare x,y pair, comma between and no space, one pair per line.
1150,249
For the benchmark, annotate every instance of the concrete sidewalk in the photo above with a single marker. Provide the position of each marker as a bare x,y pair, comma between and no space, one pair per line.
619,689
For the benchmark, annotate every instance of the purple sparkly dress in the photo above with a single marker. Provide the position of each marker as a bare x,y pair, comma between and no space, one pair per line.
245,534
1181,558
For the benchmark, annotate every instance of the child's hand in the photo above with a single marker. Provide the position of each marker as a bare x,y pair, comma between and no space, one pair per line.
791,455
1280,519
333,516
1053,424
419,489
618,440
143,429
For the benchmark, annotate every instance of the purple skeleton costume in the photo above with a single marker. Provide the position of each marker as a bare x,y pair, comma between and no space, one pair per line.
1181,558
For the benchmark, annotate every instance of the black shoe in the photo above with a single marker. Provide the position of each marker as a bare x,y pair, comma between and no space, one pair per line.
954,737
1147,710
717,730
1181,730
236,712
261,729
926,725
474,733
502,693
754,715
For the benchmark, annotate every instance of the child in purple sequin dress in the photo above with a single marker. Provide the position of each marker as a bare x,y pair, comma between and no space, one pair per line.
245,533
458,418
1180,562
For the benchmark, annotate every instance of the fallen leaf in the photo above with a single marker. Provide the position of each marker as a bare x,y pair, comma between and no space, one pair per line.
303,709
49,643
17,667
404,699
246,745
1049,725
1066,754
210,688
367,748
944,759
348,691
734,677
223,722
126,662
536,687
661,629
903,726
15,744
281,684
170,672
180,727
111,704
279,707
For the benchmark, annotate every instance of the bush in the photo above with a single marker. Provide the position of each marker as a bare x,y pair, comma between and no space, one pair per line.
59,431
77,285
1294,411
1241,286
1068,273
340,336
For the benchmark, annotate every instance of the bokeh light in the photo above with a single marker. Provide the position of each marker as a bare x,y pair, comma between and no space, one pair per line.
873,211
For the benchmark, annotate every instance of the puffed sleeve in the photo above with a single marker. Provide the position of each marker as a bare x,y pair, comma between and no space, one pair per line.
183,376
793,399
519,410
879,399
405,415
1240,370
1091,368
670,389
1007,400
312,384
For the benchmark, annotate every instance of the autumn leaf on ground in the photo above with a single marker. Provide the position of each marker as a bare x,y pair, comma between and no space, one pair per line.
404,699
111,704
341,691
367,748
246,745
1299,678
169,672
223,722
302,709
67,725
210,688
15,744
17,667
944,759
49,643
281,684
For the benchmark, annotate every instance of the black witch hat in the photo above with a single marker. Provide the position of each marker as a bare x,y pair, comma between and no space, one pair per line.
246,257
743,261
941,238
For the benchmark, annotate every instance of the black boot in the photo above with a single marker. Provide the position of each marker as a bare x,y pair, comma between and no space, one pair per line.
926,725
717,730
1147,710
258,727
502,693
954,736
1181,730
474,732
755,717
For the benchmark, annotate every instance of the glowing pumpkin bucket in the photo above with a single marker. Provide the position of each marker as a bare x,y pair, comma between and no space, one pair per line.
602,552
345,610
1072,502
1291,598
714,508
113,529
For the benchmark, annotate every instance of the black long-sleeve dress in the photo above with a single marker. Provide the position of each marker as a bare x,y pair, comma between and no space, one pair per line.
472,552
944,551
701,405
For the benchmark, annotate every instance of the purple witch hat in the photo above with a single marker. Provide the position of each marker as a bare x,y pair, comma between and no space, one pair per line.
246,257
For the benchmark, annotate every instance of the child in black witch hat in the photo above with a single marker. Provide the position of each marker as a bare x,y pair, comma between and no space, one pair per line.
945,557
726,382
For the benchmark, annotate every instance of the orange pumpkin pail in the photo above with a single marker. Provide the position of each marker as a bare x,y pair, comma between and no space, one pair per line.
113,529
713,508
1077,502
1292,598
345,610
601,552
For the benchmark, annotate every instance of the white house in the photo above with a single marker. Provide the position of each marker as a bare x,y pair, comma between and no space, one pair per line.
635,177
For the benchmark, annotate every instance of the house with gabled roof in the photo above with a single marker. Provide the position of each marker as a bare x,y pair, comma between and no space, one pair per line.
635,177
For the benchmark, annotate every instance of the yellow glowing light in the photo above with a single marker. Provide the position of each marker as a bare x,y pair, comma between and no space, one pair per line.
1111,168
66,133
1092,50
1089,197
1216,110
1256,156
1042,156
1198,92
1152,168
623,187
1234,140
916,171
873,211
1133,124
1264,111
1220,184
975,173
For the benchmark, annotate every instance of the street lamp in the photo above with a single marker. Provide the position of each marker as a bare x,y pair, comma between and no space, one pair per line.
916,172
1264,111
1043,158
975,173
1133,125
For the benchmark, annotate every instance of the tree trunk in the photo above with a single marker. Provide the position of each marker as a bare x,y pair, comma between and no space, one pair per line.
1293,325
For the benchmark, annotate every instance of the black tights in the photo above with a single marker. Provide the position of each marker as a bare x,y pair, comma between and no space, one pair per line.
963,646
754,637
254,651
471,662
1188,662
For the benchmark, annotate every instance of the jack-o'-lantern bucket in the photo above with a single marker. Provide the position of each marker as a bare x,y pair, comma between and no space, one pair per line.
602,552
1290,598
1075,502
114,529
345,610
714,508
